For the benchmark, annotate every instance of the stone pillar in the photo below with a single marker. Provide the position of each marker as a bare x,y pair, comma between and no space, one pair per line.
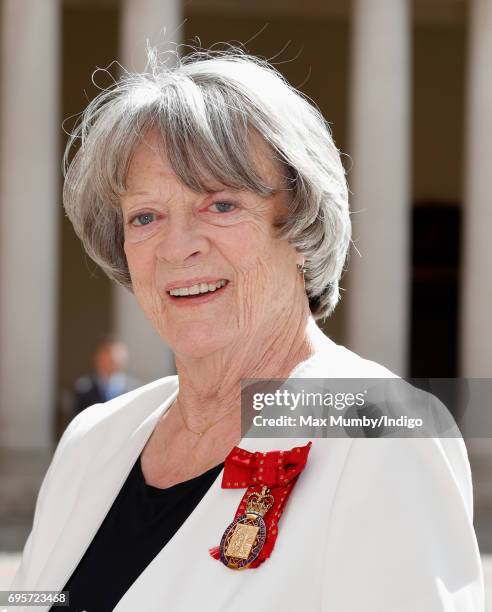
30,131
476,294
378,280
476,280
160,22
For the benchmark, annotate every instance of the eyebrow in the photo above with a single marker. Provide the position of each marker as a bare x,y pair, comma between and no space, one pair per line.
217,189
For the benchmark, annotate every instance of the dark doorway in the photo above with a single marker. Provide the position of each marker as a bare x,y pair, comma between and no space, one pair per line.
434,314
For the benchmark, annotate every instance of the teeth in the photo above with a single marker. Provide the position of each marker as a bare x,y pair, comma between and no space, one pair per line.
199,288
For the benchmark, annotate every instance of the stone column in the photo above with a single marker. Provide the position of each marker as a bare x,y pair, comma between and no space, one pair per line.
476,294
161,23
476,280
378,281
30,131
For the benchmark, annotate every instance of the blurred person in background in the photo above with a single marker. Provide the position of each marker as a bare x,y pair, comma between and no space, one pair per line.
108,378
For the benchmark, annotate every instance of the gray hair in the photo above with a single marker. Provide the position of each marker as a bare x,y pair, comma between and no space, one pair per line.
205,107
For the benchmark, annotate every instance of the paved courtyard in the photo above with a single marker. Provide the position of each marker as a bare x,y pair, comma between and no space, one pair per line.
8,565
9,562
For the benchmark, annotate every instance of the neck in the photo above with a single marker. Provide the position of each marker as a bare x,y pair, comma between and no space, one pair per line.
210,387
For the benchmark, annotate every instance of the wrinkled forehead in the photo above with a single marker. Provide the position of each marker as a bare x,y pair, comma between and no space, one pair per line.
257,168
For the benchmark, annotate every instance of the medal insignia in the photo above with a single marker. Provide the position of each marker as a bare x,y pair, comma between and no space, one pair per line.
244,538
269,479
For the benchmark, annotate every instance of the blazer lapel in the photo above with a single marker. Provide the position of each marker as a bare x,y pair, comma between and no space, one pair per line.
102,482
161,586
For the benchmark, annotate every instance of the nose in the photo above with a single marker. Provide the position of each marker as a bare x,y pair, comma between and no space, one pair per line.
181,241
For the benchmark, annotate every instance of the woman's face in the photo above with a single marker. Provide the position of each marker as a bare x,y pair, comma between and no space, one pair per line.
180,241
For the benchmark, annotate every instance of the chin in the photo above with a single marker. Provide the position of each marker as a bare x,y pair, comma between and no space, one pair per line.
198,341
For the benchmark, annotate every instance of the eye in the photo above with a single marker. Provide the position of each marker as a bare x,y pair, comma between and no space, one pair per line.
223,207
143,219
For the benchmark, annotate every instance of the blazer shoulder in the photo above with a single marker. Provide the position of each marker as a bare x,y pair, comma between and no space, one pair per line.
415,462
410,502
359,366
337,361
124,412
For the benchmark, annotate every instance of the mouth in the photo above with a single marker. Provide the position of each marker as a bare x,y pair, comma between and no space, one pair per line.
197,291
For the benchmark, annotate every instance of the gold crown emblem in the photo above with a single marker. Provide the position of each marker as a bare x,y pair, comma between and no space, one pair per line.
260,503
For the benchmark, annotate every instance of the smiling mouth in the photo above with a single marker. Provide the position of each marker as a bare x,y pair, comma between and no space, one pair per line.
198,289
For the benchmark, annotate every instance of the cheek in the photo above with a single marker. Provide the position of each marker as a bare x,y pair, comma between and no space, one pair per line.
260,254
253,257
140,262
264,279
140,265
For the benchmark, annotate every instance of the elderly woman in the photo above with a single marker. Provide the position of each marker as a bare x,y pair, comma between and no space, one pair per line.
214,192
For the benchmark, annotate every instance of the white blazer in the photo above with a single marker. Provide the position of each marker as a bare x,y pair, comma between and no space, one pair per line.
372,525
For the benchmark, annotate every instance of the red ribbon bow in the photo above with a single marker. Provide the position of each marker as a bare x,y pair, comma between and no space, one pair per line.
278,470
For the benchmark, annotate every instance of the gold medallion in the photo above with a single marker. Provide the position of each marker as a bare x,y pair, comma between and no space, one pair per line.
245,536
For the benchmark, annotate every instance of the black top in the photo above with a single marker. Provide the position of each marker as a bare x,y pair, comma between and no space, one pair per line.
139,524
